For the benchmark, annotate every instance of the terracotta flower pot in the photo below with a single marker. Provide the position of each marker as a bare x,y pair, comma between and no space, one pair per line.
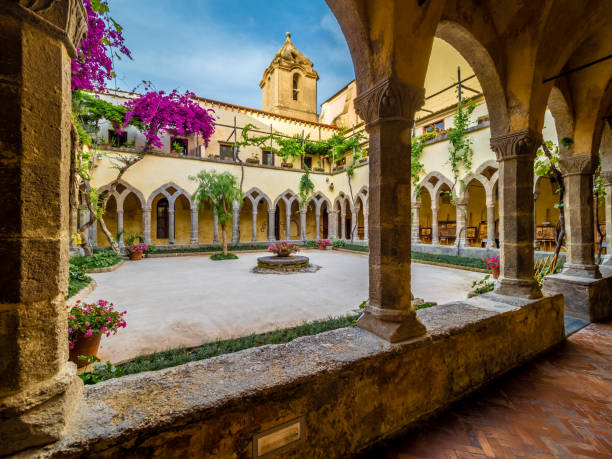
495,272
84,346
136,255
322,247
283,254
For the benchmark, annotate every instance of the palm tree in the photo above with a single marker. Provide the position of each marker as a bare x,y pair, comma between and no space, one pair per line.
220,191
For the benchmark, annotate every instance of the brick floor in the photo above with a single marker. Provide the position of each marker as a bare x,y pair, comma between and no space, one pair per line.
560,405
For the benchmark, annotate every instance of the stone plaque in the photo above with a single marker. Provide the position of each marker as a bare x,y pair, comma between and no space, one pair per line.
278,439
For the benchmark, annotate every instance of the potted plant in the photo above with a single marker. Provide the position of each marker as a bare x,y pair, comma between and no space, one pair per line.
323,244
287,165
86,325
493,265
283,249
211,156
253,159
483,119
177,148
136,250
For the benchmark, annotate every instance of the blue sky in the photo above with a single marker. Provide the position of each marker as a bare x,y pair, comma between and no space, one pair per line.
220,48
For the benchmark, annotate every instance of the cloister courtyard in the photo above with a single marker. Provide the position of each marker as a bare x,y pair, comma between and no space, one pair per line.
191,300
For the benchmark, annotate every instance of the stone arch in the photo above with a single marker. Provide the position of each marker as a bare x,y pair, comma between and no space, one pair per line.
434,188
318,199
559,107
122,191
481,61
164,189
260,195
286,196
362,195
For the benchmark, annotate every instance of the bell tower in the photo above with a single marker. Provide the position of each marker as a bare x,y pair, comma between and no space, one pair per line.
289,84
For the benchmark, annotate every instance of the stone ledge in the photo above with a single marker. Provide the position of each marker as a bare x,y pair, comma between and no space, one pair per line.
106,269
351,388
585,298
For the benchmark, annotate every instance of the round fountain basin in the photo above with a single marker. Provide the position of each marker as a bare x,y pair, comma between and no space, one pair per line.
283,264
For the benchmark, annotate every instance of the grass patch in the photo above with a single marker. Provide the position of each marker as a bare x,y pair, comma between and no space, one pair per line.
213,248
436,258
101,259
174,357
221,256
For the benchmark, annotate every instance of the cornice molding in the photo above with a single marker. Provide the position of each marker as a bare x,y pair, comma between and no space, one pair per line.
389,100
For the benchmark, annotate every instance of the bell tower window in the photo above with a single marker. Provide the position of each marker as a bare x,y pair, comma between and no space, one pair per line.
296,88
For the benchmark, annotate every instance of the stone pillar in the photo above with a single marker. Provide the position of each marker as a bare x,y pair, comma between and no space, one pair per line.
236,223
288,222
146,225
333,224
254,236
515,154
93,234
120,227
39,388
271,224
171,225
607,180
215,228
366,216
388,109
491,225
579,217
193,237
435,240
415,223
303,224
354,219
460,234
343,224
318,223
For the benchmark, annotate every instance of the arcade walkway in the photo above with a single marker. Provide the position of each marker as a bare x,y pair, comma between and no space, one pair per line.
557,406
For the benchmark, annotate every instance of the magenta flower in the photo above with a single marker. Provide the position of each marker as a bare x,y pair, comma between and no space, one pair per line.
88,333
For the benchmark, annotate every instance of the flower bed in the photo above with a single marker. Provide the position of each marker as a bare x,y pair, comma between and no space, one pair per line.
283,249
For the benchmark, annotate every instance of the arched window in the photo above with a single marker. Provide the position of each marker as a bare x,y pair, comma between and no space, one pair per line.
163,219
296,88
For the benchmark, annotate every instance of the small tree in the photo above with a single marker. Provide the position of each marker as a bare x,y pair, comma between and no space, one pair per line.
220,191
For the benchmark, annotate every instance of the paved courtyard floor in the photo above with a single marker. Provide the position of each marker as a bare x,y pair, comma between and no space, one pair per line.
558,405
186,301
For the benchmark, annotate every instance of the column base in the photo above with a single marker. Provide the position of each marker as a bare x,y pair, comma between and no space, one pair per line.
606,260
392,325
587,271
518,287
40,414
587,299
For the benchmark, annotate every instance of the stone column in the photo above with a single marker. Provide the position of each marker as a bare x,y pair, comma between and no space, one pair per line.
193,237
491,225
343,224
318,223
120,227
288,222
271,224
236,223
303,224
388,109
435,240
171,225
215,228
333,224
93,234
254,235
146,225
579,217
607,180
415,223
366,216
515,154
354,219
39,388
460,231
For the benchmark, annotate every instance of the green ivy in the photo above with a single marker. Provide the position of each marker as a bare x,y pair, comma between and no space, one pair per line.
460,152
306,189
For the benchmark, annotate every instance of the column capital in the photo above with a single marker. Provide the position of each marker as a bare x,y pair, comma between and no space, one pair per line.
415,205
516,145
63,19
271,211
146,209
389,100
606,178
577,165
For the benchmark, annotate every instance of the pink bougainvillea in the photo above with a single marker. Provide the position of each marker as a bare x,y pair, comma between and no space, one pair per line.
93,66
159,112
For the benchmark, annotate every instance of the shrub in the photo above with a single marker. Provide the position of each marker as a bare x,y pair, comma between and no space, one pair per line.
483,285
222,256
102,259
77,279
339,244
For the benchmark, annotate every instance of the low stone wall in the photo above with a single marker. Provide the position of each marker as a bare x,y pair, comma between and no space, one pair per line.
107,269
347,388
473,252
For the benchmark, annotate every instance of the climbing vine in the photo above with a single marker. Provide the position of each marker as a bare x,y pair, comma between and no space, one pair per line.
460,152
416,166
306,189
